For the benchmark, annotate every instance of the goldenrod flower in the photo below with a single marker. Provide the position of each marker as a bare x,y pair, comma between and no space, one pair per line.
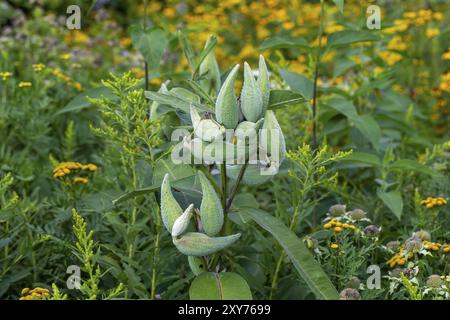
432,32
334,246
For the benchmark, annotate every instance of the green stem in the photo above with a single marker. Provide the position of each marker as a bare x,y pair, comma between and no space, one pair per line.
235,187
223,171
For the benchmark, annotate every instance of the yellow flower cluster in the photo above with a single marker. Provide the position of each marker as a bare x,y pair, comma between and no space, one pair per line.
397,43
65,56
38,67
390,57
435,246
414,18
24,84
431,202
5,75
446,55
334,246
34,294
446,278
58,73
338,226
76,37
400,258
432,32
66,168
445,82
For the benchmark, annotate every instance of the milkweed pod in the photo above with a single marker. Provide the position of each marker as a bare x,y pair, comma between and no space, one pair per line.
272,138
180,225
248,129
263,83
170,209
199,244
197,265
211,211
226,108
206,129
194,149
251,101
209,68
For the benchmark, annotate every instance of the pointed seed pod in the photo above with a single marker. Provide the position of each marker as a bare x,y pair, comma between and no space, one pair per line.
206,129
170,209
263,83
199,244
273,130
226,109
211,211
209,68
251,101
197,265
180,225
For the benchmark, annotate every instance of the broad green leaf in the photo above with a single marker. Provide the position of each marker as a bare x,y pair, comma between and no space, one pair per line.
298,83
175,101
150,43
393,200
340,5
279,42
370,129
366,124
179,173
411,165
209,47
302,259
81,101
281,98
219,286
200,91
350,36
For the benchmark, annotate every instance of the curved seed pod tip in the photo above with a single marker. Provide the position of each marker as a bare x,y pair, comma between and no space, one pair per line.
211,211
199,244
170,209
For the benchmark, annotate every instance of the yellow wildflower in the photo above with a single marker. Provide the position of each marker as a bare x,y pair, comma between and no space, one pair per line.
23,84
397,43
432,32
65,56
5,75
334,246
338,229
81,180
390,57
38,67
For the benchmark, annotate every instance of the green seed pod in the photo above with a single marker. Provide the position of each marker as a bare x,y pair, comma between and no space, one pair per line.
263,83
248,129
170,209
272,138
251,100
211,211
199,244
206,129
197,265
209,68
180,225
226,109
195,147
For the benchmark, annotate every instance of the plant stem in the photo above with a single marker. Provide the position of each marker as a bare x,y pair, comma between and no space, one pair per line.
223,171
316,75
235,187
155,251
145,63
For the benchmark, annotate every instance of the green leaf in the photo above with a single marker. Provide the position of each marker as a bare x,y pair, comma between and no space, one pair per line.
411,165
298,83
345,37
209,47
281,98
219,286
176,101
200,91
370,129
135,193
340,5
188,50
393,200
279,42
81,102
302,259
364,158
366,124
150,43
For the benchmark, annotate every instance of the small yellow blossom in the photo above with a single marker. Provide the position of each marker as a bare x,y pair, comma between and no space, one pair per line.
38,67
334,246
81,180
23,84
432,32
5,75
65,56
338,229
390,57
431,202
